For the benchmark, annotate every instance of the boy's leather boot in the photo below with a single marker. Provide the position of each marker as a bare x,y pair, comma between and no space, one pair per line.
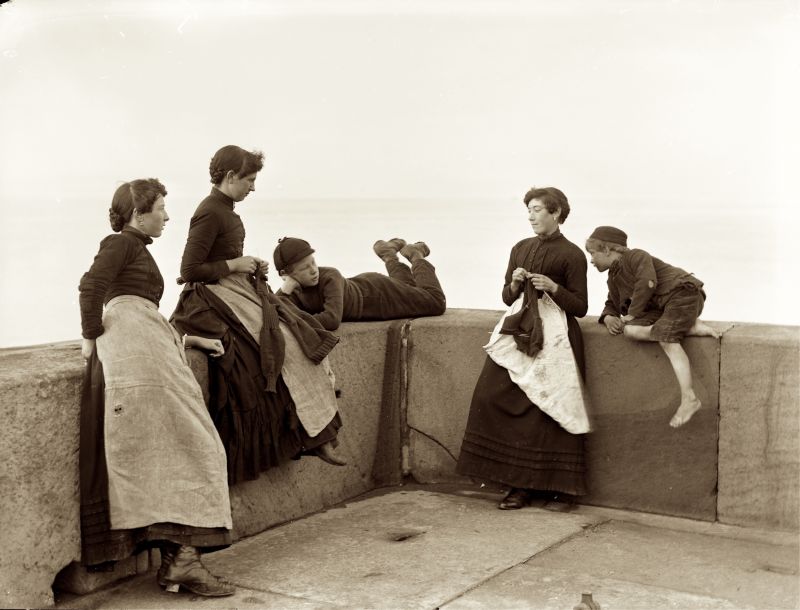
416,250
389,248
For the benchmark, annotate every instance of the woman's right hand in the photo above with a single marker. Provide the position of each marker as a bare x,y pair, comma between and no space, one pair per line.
518,276
244,264
87,347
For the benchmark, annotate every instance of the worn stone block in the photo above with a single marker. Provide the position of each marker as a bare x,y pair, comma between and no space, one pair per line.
39,506
310,484
445,359
759,444
635,459
78,580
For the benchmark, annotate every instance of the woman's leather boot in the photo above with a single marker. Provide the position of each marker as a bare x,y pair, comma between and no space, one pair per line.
187,571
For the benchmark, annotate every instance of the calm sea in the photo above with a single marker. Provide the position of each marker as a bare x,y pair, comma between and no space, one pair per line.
45,247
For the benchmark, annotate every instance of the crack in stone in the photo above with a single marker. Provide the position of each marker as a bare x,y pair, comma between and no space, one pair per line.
426,435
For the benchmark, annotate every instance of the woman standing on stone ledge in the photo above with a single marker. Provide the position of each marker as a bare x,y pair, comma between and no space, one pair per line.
272,392
528,417
152,465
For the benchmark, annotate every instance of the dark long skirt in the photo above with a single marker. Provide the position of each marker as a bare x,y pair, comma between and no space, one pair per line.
99,543
511,441
258,429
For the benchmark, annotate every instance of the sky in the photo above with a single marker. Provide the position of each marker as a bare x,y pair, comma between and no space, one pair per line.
683,111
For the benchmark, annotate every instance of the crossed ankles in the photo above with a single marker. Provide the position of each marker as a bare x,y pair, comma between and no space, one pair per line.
415,251
387,250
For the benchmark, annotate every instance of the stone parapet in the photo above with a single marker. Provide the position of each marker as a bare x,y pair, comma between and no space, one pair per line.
759,428
406,387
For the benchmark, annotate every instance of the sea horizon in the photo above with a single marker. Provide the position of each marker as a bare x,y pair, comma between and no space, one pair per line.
470,241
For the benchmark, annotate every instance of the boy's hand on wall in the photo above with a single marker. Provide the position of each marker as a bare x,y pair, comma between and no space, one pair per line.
614,325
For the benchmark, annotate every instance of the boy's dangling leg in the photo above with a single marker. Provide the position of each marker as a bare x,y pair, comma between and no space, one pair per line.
690,404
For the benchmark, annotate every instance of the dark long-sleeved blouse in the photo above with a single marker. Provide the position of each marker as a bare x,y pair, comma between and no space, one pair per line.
565,264
216,234
561,261
123,265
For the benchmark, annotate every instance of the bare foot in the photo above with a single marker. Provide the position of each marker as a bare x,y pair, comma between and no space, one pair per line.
701,329
688,407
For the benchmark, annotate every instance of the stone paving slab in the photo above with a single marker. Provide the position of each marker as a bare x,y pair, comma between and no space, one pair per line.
745,573
528,586
406,548
142,593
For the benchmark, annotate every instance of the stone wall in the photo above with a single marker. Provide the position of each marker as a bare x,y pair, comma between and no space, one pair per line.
406,387
635,460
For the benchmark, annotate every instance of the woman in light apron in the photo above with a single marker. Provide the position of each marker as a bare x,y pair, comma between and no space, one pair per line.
152,465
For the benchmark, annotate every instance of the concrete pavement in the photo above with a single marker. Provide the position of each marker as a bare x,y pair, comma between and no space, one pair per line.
447,546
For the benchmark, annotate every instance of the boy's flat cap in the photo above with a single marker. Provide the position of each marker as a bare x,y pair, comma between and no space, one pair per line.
610,234
289,251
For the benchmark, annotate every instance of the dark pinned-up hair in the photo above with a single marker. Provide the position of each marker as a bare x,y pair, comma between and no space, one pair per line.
136,194
240,161
552,198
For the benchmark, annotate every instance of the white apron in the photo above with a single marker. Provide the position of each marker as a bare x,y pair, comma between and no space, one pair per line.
310,385
550,379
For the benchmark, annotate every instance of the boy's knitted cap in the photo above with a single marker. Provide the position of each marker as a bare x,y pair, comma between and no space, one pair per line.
610,234
289,251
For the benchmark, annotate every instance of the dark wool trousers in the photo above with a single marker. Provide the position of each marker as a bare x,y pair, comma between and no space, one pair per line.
404,293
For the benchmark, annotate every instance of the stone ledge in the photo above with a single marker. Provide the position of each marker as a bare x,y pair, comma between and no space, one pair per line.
406,391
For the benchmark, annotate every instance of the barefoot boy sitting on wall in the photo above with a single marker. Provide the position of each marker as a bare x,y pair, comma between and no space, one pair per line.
649,300
331,298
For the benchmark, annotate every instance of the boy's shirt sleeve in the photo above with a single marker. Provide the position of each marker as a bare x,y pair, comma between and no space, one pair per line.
640,264
331,286
610,308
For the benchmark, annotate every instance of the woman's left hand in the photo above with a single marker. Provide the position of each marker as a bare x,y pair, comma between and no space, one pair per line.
543,283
